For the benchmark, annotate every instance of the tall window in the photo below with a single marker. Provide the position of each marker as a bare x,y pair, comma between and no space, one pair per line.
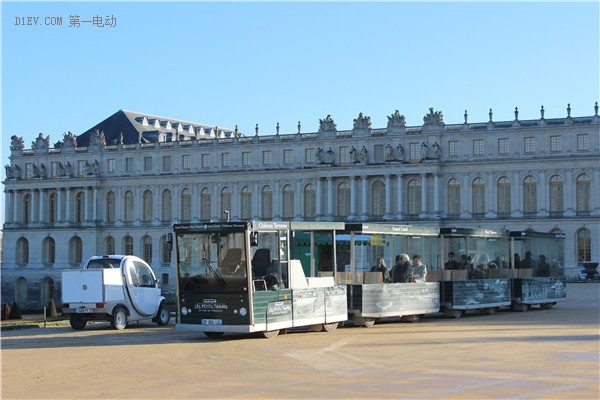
79,207
309,156
109,245
584,245
583,142
344,155
453,148
414,152
478,197
128,245
147,163
267,202
110,207
478,147
288,157
504,204
453,197
246,197
110,166
378,152
226,160
75,250
53,207
267,157
185,161
128,206
147,206
414,197
556,194
166,163
48,250
22,251
529,195
343,195
584,198
205,160
378,198
503,146
246,159
529,144
288,201
186,205
166,251
310,197
166,206
205,204
129,164
26,208
147,249
225,199
555,143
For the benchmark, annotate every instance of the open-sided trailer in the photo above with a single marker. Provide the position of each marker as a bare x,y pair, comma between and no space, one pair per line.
482,284
239,277
369,297
539,269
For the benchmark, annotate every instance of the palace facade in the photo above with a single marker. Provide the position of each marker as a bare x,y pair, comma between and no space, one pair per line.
118,187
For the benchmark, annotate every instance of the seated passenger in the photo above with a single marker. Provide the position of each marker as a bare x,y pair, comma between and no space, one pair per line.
478,273
452,263
381,267
419,271
543,268
402,271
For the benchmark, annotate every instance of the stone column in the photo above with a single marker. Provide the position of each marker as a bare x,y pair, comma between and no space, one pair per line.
68,213
59,206
95,204
319,198
329,196
388,195
35,205
364,197
423,195
436,194
542,195
400,196
353,195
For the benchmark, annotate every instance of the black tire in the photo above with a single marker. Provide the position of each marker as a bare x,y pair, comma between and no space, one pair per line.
410,318
163,316
364,321
214,335
119,319
77,321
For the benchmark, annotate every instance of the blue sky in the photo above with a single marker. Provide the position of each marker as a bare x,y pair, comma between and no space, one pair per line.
241,63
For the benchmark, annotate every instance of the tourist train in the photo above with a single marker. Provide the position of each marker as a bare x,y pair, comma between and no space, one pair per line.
270,276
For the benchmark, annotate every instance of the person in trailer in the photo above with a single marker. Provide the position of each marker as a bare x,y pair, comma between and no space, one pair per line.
452,263
543,268
402,271
381,267
419,270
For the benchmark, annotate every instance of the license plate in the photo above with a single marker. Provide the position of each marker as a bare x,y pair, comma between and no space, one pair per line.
212,322
83,310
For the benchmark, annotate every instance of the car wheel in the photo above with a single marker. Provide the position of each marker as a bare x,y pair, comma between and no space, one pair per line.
77,322
164,315
119,319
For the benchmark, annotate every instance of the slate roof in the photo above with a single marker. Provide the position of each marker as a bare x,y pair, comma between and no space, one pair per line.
145,128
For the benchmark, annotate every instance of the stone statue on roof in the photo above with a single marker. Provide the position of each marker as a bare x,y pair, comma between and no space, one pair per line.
396,120
433,118
16,143
41,143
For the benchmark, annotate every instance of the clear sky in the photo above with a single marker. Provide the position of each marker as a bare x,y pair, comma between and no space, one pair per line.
242,63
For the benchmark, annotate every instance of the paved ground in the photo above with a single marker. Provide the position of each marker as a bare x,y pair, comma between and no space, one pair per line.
538,354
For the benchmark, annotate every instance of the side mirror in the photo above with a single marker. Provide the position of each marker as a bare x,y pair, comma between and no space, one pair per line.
253,238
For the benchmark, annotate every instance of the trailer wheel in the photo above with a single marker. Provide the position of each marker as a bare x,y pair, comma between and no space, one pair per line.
547,306
410,318
489,310
450,312
163,315
214,335
119,319
364,321
520,306
270,334
330,327
77,321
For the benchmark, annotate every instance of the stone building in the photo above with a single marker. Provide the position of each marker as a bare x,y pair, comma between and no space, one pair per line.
119,186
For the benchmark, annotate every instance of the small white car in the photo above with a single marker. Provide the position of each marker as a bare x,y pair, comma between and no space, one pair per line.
114,288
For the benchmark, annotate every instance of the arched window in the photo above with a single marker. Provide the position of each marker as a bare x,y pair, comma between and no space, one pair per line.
80,206
246,203
26,209
288,201
414,197
52,207
128,245
343,197
310,196
478,197
166,207
584,245
22,256
147,249
75,250
110,207
225,200
453,197
584,199
48,250
128,206
504,204
109,245
21,292
266,200
378,198
186,205
529,196
165,256
147,206
556,194
205,212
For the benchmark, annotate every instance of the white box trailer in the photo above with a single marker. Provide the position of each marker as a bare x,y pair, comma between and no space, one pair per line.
118,289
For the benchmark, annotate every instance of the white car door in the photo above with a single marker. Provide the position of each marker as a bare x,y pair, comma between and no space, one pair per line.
142,287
